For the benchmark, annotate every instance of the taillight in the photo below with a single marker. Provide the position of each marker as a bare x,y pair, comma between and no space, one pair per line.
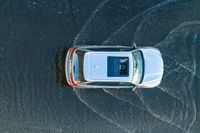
73,50
73,82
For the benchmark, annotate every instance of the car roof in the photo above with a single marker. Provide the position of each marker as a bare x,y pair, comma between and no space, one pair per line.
95,66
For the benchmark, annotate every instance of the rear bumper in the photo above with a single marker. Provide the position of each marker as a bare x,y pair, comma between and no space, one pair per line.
69,67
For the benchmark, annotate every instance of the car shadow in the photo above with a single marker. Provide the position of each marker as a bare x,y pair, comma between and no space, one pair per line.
60,66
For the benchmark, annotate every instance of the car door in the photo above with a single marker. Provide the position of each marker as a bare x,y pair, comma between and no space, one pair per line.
108,48
113,85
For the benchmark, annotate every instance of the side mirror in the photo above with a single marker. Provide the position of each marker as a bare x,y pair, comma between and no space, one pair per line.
134,45
134,88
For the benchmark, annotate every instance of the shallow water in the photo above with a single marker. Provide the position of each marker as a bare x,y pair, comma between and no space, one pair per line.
34,96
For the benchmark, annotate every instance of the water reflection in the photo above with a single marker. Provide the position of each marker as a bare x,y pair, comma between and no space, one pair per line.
168,26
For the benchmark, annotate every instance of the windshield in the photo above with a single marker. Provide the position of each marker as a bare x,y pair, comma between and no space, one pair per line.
138,67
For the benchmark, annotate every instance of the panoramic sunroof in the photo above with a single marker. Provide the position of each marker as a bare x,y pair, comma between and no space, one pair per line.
117,66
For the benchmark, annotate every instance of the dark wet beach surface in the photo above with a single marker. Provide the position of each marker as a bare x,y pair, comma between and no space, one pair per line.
34,37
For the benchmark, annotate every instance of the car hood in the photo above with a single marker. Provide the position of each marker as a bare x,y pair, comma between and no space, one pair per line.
153,67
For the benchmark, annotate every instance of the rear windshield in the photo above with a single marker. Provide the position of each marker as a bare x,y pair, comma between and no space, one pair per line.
78,66
117,66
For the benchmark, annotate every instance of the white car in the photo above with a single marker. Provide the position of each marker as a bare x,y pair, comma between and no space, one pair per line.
113,67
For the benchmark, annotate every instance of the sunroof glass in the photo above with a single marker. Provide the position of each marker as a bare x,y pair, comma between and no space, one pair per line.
117,66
